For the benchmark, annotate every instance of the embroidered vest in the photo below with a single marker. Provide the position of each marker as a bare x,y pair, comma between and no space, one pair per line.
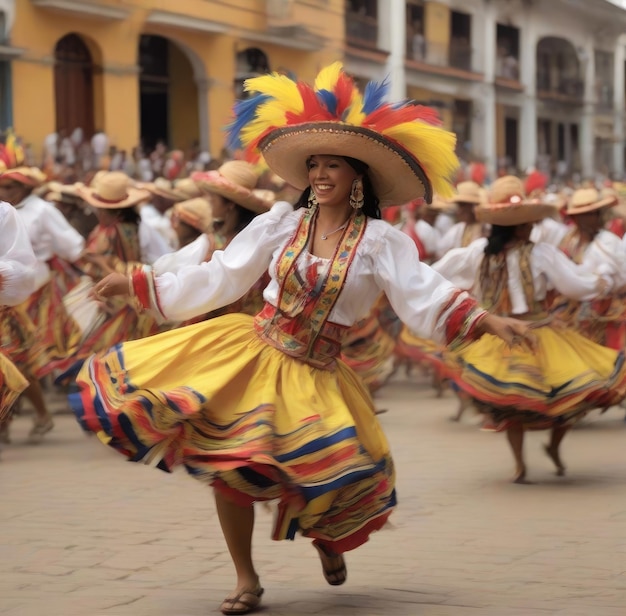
299,325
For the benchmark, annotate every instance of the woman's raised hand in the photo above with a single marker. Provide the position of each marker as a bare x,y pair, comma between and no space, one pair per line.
113,285
513,331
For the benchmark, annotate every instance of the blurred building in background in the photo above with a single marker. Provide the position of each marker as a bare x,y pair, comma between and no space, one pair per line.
521,82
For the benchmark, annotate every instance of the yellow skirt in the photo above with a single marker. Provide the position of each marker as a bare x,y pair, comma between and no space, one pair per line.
12,384
566,376
249,420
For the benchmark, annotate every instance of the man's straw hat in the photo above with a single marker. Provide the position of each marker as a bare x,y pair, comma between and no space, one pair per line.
29,176
468,192
113,190
197,213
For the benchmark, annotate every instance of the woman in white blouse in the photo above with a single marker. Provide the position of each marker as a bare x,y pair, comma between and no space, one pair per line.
261,407
17,281
566,375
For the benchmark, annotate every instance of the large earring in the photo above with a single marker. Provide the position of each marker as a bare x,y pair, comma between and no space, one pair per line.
357,198
312,200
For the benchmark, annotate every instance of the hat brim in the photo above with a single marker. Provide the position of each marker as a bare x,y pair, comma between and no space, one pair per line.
12,176
509,215
396,176
606,202
460,199
134,196
235,193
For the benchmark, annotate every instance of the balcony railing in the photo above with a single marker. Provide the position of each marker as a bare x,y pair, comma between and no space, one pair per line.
604,98
507,67
455,55
362,30
552,85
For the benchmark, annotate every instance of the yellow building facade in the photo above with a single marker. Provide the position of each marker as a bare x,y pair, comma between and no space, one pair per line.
149,70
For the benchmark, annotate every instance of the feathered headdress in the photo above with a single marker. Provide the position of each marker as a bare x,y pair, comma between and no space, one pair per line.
11,152
407,152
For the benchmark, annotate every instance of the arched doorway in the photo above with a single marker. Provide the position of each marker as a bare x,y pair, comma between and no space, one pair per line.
74,85
558,68
168,94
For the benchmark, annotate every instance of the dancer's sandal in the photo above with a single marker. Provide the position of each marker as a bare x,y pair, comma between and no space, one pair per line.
249,600
338,574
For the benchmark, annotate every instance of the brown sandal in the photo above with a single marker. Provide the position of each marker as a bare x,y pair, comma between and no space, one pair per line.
337,576
249,605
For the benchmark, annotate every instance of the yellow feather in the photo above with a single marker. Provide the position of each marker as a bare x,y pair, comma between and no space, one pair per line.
355,113
433,147
279,87
328,76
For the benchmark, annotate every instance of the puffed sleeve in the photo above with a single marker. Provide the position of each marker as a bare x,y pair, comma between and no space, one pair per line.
66,242
198,289
152,244
192,254
17,259
569,279
423,299
460,265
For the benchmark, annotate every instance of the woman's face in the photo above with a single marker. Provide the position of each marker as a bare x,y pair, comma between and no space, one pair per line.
13,192
331,178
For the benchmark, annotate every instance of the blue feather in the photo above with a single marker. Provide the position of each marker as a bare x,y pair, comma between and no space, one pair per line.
244,112
328,99
374,95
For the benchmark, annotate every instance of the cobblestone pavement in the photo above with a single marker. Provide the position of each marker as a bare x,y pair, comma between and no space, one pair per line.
84,533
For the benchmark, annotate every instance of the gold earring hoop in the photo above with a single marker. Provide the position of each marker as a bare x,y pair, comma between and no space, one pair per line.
357,198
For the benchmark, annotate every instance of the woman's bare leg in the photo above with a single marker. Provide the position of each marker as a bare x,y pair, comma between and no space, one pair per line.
237,524
515,434
552,448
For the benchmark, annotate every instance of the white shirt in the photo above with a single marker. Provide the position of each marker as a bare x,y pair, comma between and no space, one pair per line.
549,231
429,236
193,254
151,243
551,269
50,234
606,253
386,260
17,259
444,222
161,223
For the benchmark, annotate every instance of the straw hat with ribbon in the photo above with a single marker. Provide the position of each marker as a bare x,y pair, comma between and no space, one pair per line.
468,192
113,190
197,213
162,188
407,152
234,180
187,189
587,200
508,206
67,193
29,176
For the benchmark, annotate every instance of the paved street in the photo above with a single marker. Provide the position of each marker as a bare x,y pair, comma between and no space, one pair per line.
85,533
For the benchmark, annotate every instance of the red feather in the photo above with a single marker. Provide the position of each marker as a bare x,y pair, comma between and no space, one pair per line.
534,182
313,110
343,91
386,116
478,173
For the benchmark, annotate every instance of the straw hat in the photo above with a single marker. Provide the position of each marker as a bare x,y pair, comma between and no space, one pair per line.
408,155
163,188
197,213
30,176
587,200
468,192
67,193
234,180
112,190
266,195
439,204
508,206
187,188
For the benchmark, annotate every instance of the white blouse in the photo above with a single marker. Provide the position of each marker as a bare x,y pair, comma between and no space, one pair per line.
549,231
386,260
193,254
429,236
17,259
551,269
606,254
50,234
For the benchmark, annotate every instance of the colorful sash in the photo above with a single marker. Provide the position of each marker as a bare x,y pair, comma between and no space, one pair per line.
299,326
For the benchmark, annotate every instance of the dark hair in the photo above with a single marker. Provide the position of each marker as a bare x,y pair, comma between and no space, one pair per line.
244,217
371,201
499,237
126,214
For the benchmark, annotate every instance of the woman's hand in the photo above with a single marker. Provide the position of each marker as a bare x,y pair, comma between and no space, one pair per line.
111,286
513,331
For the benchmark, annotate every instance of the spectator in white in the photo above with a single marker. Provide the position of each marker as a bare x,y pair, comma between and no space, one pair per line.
99,147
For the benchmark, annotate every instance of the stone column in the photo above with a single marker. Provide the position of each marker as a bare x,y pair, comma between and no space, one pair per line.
393,39
489,46
619,107
587,121
203,85
528,68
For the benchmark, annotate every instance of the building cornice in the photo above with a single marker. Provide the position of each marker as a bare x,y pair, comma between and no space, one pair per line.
178,20
86,9
292,37
8,53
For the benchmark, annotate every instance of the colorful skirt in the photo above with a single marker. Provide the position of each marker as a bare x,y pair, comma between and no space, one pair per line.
566,376
368,349
18,340
12,384
249,420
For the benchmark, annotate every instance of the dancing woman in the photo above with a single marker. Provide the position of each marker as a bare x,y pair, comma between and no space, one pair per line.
261,408
566,374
